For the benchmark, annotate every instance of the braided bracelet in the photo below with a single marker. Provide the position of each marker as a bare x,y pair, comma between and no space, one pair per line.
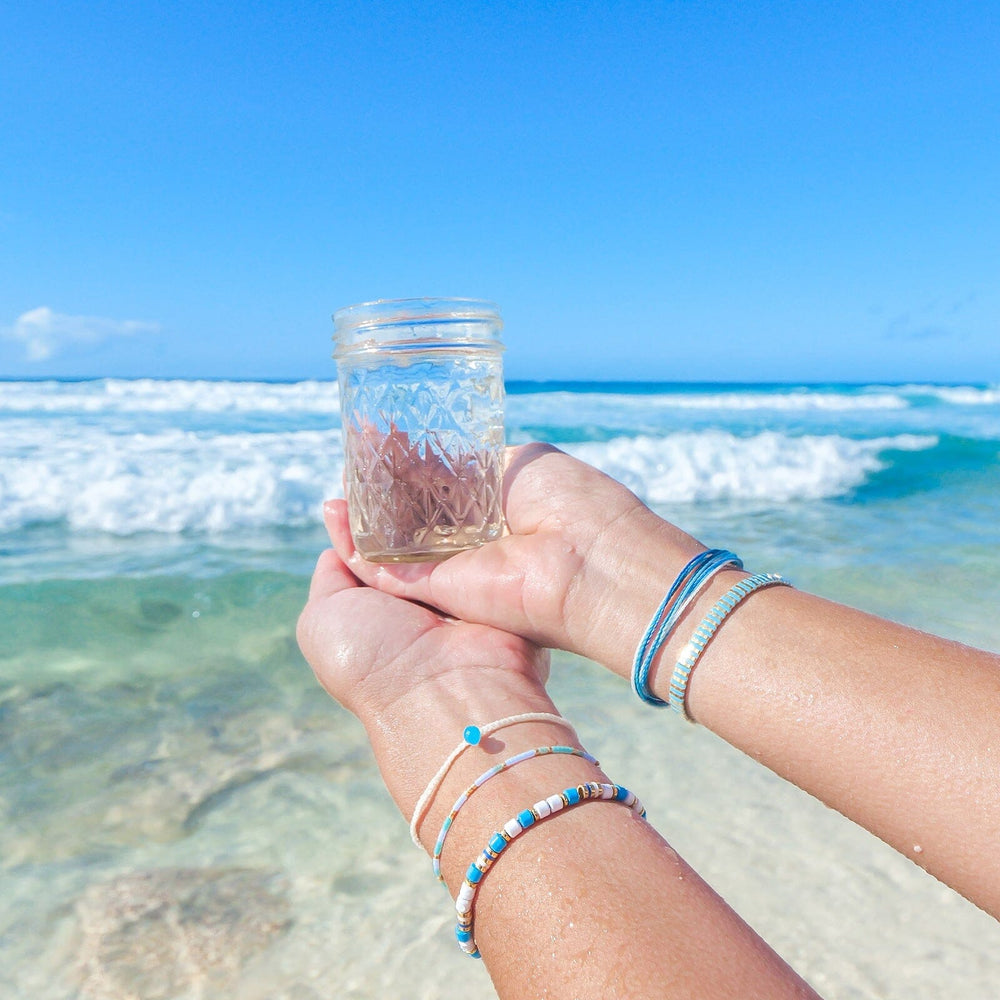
483,778
471,737
691,653
682,592
592,791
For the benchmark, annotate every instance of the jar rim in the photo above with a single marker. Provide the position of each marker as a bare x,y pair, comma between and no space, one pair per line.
410,312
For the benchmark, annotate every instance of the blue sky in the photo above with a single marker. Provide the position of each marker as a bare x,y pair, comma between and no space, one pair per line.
721,191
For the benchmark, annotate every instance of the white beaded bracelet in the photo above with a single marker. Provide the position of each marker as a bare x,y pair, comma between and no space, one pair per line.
691,653
487,776
471,737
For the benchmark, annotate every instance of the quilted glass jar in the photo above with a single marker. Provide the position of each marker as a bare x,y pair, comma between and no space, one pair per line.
421,401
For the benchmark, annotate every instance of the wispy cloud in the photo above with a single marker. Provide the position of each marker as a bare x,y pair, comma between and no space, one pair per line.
904,328
45,333
934,320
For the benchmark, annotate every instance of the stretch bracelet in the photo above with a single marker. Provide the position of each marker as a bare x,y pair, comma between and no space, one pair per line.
483,778
592,791
721,610
682,592
471,737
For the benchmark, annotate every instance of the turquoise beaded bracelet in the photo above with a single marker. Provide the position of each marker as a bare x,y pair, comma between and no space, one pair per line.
691,653
592,791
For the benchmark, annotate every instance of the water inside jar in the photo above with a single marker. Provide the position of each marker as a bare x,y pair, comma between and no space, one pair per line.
424,443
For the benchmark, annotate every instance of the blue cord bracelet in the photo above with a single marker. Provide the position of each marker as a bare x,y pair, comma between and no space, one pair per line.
682,592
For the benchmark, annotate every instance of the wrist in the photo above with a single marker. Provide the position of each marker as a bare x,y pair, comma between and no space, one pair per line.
413,733
628,573
494,802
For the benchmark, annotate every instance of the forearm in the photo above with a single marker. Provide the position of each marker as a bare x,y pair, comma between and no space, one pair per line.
589,903
895,728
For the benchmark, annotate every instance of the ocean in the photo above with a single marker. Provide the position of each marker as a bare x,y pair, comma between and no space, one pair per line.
185,814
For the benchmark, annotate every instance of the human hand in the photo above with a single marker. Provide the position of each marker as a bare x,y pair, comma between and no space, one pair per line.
583,568
372,651
414,678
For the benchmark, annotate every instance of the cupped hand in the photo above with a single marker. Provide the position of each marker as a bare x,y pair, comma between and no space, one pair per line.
413,677
583,566
376,654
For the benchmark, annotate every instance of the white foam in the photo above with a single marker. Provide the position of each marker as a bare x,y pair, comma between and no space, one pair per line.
795,400
767,467
168,396
124,474
791,400
966,395
166,482
175,481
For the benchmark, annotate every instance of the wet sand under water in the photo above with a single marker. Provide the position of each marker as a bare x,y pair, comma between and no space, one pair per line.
185,814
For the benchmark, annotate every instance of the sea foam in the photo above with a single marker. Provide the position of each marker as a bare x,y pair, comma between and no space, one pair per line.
765,468
171,481
147,395
176,480
965,395
599,406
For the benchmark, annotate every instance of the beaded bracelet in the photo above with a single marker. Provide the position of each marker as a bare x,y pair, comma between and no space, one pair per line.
471,737
691,653
592,791
682,592
483,778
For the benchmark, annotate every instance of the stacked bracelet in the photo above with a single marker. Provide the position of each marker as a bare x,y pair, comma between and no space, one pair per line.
513,828
471,737
483,778
682,592
690,654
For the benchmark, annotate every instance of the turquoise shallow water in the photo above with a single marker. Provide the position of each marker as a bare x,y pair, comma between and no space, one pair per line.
184,813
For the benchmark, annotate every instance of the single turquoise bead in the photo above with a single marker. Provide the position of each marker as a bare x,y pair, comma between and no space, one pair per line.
472,735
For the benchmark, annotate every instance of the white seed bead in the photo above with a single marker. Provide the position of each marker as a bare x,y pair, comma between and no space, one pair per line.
542,809
686,653
630,799
607,791
555,802
512,828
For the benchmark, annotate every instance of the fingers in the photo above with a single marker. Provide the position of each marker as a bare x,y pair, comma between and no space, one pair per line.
392,578
544,487
338,528
555,505
330,576
517,496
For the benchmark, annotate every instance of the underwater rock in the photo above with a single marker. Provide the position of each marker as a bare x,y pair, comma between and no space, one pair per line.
176,932
159,612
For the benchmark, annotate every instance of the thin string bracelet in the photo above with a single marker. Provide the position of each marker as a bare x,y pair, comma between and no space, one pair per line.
691,653
492,773
471,737
592,791
685,588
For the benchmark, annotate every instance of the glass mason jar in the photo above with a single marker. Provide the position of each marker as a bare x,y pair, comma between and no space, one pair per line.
421,402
